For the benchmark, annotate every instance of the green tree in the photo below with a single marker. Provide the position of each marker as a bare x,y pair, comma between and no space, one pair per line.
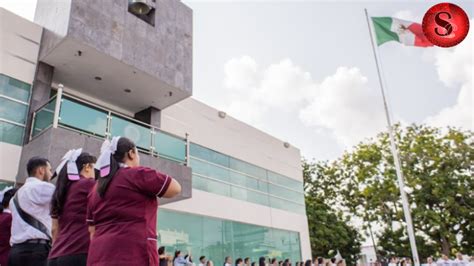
328,229
438,167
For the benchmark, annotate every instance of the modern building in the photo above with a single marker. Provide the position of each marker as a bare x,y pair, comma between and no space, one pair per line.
87,70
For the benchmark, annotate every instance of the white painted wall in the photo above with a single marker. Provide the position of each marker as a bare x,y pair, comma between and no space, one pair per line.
213,205
19,46
237,139
231,136
9,161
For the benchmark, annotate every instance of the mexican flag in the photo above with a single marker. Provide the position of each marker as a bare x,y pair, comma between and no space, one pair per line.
394,29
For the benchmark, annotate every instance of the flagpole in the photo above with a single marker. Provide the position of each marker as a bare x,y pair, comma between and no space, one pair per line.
396,159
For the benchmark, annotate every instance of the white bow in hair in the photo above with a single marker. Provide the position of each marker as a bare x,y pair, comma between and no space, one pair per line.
2,193
70,158
103,163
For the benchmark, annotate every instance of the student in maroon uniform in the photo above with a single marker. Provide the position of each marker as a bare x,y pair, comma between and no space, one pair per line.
69,207
122,207
5,226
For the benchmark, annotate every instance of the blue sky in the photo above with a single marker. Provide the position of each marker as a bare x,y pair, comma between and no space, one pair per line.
304,71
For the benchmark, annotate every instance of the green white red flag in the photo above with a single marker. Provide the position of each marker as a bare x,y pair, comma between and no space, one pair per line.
393,29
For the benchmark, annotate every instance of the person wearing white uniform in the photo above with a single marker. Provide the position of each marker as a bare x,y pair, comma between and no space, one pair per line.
459,261
444,261
31,220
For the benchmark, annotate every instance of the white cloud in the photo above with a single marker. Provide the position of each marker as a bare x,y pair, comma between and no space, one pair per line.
283,86
408,15
240,73
455,68
345,104
341,103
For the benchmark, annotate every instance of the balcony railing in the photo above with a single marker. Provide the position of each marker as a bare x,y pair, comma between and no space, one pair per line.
72,113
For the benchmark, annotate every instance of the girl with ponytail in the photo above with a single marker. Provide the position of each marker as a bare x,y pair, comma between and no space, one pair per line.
122,209
69,207
5,223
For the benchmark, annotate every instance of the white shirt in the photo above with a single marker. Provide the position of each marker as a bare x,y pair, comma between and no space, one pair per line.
459,262
34,198
441,262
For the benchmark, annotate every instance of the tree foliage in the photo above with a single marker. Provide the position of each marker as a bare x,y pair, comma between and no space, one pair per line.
438,166
329,230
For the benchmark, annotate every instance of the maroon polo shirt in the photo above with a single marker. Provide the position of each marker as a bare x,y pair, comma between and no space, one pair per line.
125,218
73,235
5,231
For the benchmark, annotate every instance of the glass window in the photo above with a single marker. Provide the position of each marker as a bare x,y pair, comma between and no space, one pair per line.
14,88
209,170
170,146
83,117
263,186
286,193
10,133
44,117
216,238
13,111
286,205
213,240
199,182
180,232
247,168
284,181
239,193
248,179
258,198
139,134
208,155
211,186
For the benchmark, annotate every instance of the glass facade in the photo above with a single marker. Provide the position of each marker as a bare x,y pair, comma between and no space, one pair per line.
43,117
227,176
92,120
14,98
217,238
82,117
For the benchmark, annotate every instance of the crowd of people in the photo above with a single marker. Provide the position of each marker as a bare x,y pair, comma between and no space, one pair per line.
101,211
181,259
444,260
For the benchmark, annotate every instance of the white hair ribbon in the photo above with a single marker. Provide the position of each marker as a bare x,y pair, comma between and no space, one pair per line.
2,193
103,163
70,159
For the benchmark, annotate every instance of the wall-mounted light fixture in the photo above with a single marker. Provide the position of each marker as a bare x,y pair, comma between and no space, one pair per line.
222,114
138,7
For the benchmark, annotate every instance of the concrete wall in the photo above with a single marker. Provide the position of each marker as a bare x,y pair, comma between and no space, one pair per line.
55,142
163,51
231,136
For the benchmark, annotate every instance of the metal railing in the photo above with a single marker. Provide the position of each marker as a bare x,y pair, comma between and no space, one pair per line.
72,113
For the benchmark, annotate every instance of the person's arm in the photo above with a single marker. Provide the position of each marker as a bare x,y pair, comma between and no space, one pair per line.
91,231
173,189
54,229
155,184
